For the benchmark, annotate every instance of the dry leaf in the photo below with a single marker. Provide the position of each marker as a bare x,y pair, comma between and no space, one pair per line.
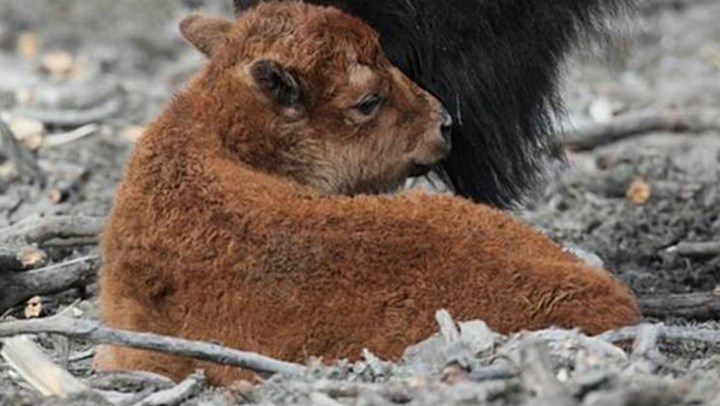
32,257
25,97
33,307
638,192
28,44
33,141
7,169
56,195
30,132
59,64
133,133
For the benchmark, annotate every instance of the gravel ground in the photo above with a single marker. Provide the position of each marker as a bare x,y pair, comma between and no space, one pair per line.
630,203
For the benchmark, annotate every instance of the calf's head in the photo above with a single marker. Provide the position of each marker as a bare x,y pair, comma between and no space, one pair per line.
306,92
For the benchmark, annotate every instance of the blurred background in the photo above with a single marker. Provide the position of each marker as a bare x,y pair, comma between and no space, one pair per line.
640,191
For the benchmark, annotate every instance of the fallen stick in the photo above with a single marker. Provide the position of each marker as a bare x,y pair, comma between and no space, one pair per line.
624,126
21,157
41,229
16,287
697,306
98,334
697,249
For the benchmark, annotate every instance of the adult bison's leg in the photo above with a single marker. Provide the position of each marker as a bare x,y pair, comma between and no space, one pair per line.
242,5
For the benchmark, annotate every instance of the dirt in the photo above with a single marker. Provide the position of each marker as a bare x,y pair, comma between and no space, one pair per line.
669,57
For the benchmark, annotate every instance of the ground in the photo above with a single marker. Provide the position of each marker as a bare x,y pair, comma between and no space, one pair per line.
107,67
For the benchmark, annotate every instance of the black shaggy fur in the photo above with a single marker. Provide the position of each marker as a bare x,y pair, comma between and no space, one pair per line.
495,65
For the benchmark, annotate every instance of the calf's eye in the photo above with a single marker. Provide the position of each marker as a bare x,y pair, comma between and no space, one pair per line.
368,105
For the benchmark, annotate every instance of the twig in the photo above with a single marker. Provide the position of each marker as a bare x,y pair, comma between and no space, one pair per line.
55,140
537,374
697,306
21,157
89,353
177,394
690,120
448,328
109,380
73,118
697,249
667,332
98,334
16,287
31,363
644,350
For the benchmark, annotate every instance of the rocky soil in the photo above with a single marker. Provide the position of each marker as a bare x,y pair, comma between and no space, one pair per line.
79,80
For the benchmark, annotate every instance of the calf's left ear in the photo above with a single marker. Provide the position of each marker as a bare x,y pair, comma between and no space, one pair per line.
281,84
205,33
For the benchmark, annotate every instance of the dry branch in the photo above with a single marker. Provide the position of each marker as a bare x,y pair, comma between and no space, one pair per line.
98,334
698,306
16,287
22,158
595,135
42,229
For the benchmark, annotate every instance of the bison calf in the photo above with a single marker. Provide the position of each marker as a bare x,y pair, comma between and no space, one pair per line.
250,212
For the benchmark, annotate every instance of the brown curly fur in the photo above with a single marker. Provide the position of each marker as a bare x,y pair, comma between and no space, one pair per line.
246,218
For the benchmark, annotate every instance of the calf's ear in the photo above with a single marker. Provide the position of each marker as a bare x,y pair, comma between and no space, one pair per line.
205,33
279,83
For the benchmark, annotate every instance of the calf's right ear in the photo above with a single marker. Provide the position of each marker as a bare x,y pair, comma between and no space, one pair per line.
205,33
